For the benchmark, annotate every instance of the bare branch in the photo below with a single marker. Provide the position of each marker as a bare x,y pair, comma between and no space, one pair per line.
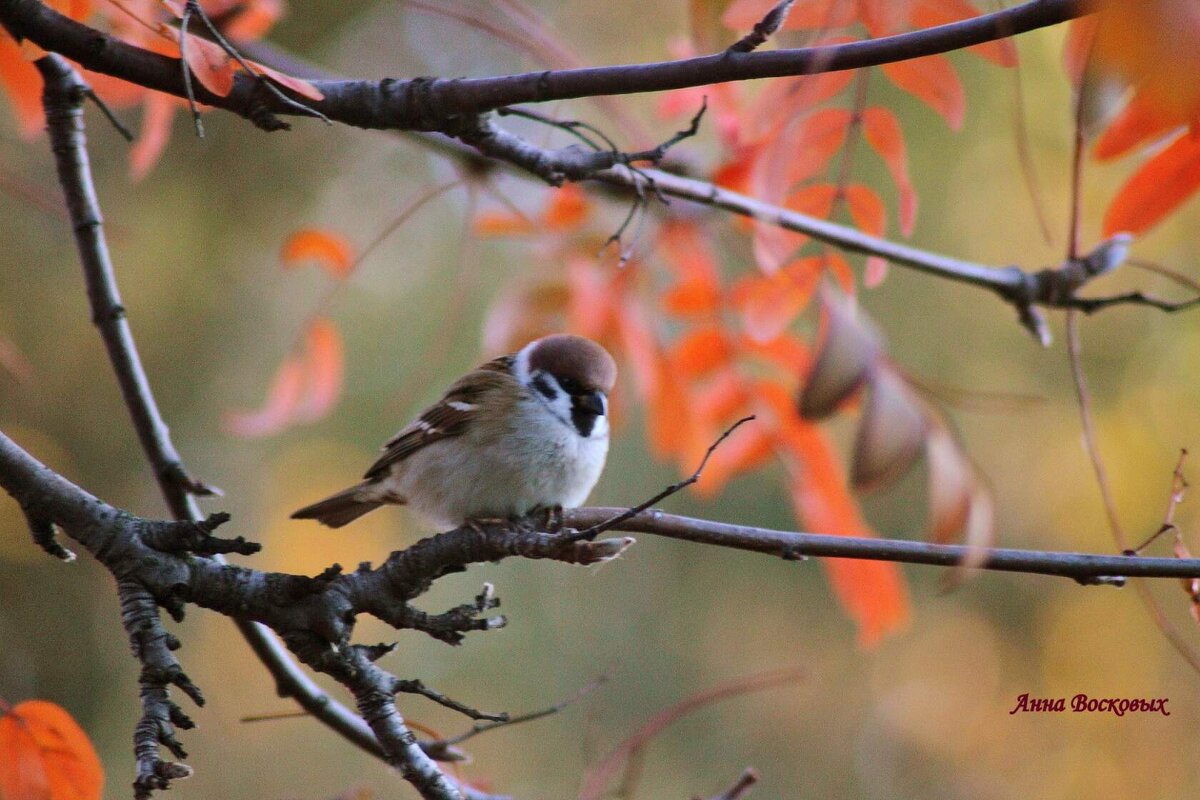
793,545
436,104
63,97
446,750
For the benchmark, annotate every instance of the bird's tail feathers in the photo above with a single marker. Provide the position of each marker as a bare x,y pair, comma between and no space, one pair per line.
341,508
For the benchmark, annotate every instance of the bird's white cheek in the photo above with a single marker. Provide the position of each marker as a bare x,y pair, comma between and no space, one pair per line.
599,428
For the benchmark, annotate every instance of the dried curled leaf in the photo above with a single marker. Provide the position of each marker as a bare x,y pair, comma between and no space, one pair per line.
849,348
45,755
891,431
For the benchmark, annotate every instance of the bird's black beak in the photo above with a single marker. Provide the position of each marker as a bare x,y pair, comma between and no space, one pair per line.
592,402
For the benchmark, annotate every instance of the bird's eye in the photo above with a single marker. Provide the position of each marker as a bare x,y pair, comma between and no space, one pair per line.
570,385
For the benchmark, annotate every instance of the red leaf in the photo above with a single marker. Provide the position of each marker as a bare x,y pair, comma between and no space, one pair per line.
932,80
866,208
770,303
502,223
278,411
23,85
686,250
567,210
45,755
1140,121
323,367
875,271
158,111
305,388
1158,188
591,301
784,98
806,146
700,351
211,65
297,85
884,135
330,251
772,244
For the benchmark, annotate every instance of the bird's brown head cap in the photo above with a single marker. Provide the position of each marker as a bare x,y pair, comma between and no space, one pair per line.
574,358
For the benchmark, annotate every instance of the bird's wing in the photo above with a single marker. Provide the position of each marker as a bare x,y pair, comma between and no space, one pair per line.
448,417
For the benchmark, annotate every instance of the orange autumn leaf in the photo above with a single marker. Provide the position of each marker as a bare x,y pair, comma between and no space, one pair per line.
278,411
324,362
932,80
883,134
687,252
700,350
45,755
770,303
330,251
502,223
807,145
774,245
593,297
784,98
211,65
786,353
568,208
1152,44
866,209
743,15
305,387
1140,122
1160,186
720,398
23,85
245,19
157,113
872,592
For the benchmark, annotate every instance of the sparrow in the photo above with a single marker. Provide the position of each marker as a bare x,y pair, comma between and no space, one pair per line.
519,432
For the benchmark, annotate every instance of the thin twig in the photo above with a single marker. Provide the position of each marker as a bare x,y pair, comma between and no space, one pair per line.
598,777
484,727
126,134
184,20
740,787
629,513
1179,486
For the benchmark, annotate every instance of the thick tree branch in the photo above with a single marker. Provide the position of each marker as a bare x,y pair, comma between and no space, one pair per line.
1025,291
64,94
314,616
442,104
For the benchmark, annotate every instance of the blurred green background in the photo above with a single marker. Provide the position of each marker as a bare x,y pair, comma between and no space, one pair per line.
923,716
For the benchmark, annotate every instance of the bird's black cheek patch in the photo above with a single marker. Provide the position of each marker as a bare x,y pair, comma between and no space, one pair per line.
583,420
542,385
